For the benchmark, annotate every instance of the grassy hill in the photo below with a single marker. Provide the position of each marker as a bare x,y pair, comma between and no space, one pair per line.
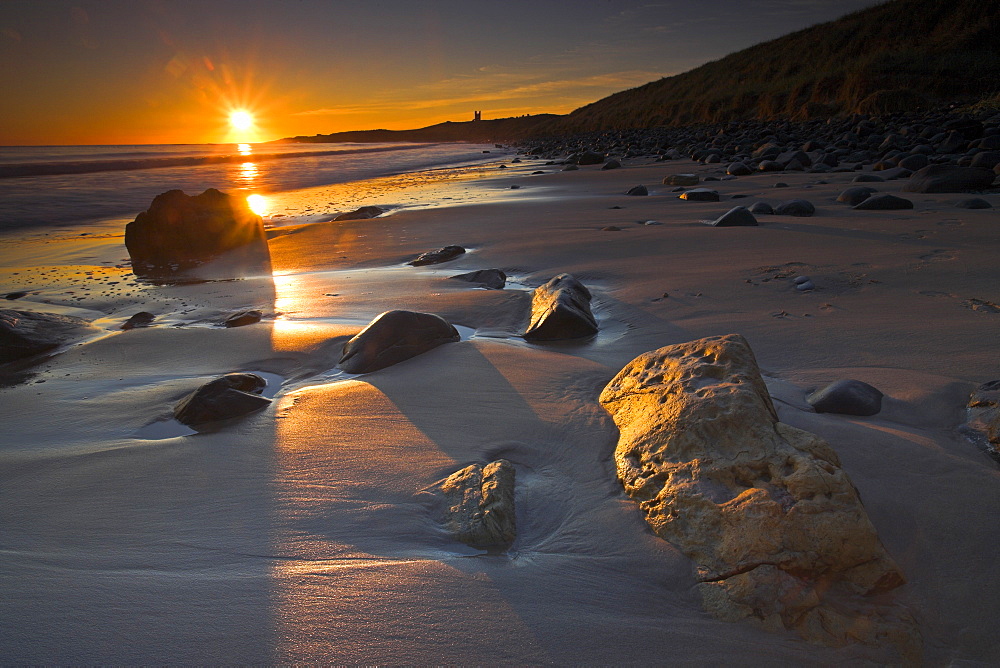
485,131
904,55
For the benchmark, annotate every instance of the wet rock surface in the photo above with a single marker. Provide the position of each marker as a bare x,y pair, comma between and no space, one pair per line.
211,235
231,396
27,333
774,526
140,319
395,336
243,318
560,309
479,504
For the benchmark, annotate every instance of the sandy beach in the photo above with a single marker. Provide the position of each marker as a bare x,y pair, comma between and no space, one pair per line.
303,534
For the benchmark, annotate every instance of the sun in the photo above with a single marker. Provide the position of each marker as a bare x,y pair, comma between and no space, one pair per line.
241,120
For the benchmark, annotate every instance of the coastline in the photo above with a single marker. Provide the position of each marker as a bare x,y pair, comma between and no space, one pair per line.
299,535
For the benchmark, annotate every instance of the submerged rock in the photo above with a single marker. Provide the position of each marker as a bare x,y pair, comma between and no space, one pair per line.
27,333
847,397
392,337
560,309
480,504
493,279
775,527
363,213
211,235
232,396
437,256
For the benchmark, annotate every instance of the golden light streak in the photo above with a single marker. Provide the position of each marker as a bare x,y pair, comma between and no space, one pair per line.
258,204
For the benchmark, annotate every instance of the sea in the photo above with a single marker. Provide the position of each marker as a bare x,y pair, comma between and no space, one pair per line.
60,186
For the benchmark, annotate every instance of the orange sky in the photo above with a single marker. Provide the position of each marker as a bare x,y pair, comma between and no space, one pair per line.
170,71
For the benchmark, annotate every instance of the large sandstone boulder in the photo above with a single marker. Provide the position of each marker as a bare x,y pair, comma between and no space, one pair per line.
949,179
211,235
27,333
231,396
392,337
479,504
775,527
560,309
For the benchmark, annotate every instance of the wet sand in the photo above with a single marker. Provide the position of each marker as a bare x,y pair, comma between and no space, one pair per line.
300,533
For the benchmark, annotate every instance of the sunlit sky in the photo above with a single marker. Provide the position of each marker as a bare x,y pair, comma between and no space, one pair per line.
172,71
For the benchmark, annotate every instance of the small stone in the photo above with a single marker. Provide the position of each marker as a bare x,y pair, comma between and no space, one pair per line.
611,164
700,195
231,396
611,228
805,286
681,180
974,203
762,208
560,309
856,195
140,319
799,280
15,295
884,203
494,279
738,169
395,336
867,178
637,191
243,318
847,397
796,207
479,504
363,213
738,216
437,256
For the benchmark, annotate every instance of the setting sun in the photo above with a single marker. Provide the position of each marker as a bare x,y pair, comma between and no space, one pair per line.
241,120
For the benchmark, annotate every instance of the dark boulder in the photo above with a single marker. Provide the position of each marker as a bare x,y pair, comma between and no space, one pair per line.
738,216
949,179
867,178
681,180
27,333
232,396
178,236
796,207
847,397
637,191
611,164
493,279
856,195
560,309
392,337
700,195
762,208
985,160
884,203
739,169
914,162
437,256
363,213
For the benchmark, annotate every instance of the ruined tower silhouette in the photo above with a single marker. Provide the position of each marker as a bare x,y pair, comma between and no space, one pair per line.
477,115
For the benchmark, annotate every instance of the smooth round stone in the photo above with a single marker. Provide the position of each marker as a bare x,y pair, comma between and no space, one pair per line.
780,184
637,191
796,207
761,208
867,178
799,280
847,397
738,216
806,286
700,195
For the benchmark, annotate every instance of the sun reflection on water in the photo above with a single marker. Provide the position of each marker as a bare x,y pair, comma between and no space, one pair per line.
248,173
244,149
